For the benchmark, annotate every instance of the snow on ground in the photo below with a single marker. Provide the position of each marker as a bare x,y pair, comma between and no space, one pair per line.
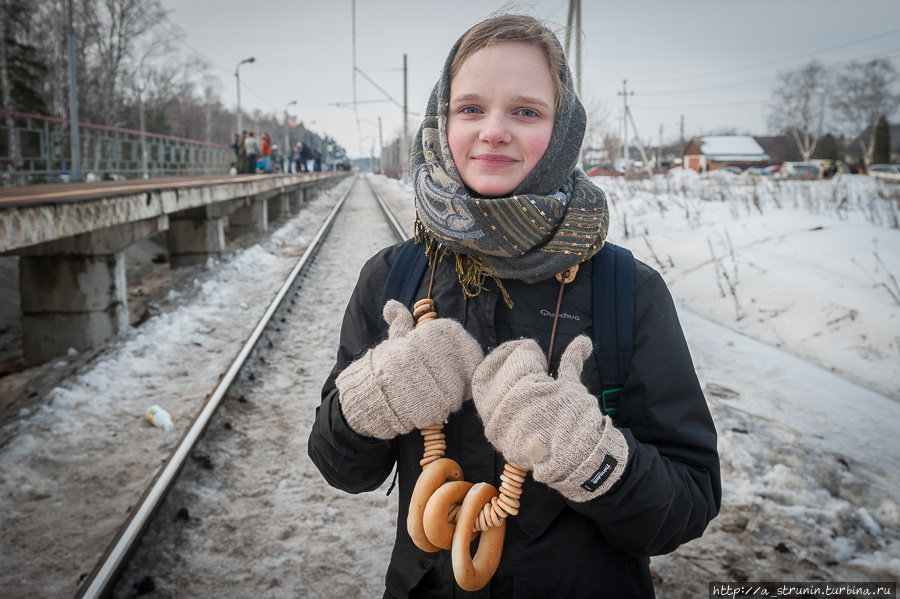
789,299
795,264
77,459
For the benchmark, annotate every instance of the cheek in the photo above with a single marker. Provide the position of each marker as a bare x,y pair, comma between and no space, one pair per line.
536,143
455,140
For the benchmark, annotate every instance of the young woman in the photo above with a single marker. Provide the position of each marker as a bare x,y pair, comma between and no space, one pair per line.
503,210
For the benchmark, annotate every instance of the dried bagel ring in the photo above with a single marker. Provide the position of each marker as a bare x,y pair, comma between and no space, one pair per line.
473,573
433,476
436,519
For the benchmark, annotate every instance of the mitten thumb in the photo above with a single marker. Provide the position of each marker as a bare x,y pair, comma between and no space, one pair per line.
572,360
399,319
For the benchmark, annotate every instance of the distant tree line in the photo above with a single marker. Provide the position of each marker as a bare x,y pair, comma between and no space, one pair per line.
811,103
127,58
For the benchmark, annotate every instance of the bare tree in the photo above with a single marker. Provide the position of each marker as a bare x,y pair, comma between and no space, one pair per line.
48,35
113,28
612,145
127,62
799,104
863,93
597,127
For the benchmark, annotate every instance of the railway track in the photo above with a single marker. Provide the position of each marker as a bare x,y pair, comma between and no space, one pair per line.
238,508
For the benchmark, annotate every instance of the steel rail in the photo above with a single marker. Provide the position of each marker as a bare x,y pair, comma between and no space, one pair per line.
103,578
401,233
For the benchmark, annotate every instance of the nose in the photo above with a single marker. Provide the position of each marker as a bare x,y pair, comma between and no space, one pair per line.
495,131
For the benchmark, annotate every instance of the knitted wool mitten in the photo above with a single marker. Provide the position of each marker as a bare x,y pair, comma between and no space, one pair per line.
553,427
414,379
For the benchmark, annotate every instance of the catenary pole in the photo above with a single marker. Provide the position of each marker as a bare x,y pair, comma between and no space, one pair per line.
624,94
404,157
381,146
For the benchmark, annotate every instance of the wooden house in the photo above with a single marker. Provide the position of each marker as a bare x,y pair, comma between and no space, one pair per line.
715,151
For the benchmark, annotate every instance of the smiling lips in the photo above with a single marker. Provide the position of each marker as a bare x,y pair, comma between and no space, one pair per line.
494,160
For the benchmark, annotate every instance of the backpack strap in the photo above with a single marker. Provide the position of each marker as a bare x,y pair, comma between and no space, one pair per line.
404,277
613,317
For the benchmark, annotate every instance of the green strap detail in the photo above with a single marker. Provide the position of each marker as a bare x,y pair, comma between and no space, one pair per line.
610,411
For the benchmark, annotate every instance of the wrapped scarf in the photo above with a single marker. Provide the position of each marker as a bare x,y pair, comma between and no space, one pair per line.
555,219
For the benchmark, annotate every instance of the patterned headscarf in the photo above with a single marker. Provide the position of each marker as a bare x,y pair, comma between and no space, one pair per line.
556,217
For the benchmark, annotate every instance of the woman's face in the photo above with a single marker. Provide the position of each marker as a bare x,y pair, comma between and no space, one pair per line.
502,107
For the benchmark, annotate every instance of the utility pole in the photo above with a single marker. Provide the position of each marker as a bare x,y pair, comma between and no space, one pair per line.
355,105
681,144
577,47
624,93
574,14
659,148
75,166
404,151
381,149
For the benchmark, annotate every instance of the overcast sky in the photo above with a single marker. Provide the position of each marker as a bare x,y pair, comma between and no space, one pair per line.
712,62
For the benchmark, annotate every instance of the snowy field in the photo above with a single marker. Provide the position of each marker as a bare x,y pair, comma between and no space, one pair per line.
789,298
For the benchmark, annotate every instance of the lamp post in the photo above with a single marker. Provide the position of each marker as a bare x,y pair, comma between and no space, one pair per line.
308,133
237,76
284,151
75,163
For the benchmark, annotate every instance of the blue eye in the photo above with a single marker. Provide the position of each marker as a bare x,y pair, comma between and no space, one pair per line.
527,112
469,110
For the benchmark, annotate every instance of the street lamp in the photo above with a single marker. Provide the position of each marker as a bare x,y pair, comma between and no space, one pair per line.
308,133
238,77
286,148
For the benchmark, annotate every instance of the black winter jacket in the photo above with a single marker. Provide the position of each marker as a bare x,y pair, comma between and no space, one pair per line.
668,493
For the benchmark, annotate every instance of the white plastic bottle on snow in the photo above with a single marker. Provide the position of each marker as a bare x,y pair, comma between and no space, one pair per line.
160,417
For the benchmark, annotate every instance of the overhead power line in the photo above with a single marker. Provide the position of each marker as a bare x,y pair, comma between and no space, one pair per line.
880,54
715,105
178,37
774,61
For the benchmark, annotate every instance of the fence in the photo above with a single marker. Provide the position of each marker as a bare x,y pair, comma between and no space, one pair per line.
37,149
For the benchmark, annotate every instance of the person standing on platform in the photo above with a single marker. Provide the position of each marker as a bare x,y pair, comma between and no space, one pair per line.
251,149
236,147
265,152
242,154
308,158
295,157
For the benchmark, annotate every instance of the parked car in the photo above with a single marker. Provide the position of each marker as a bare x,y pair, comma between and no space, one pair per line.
885,172
831,168
759,172
608,170
732,169
799,171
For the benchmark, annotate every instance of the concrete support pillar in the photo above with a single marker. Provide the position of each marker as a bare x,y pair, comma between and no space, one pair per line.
71,301
296,200
195,240
254,217
279,206
73,291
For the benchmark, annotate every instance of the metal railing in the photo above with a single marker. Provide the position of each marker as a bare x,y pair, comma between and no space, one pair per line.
37,149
